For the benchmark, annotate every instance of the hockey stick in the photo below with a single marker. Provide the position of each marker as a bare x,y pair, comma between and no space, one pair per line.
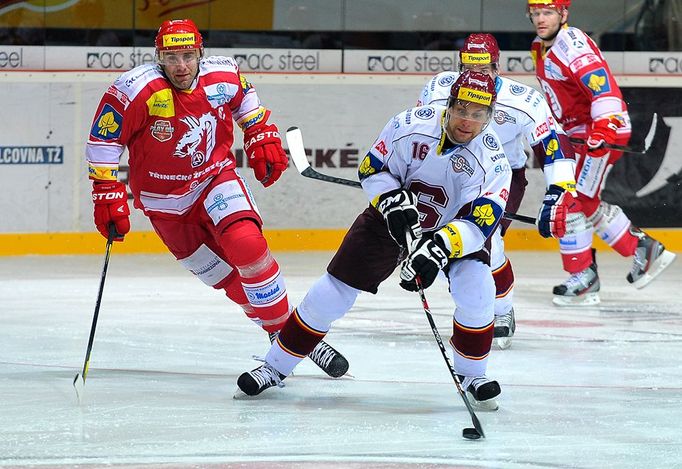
467,432
648,140
297,152
79,379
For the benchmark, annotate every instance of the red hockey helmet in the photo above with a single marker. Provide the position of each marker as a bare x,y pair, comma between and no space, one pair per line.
479,49
549,4
178,35
474,87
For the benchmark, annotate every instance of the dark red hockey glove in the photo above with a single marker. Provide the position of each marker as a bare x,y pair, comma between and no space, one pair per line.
111,207
263,147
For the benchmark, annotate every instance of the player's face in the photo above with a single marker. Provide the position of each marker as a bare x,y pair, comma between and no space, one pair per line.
547,21
180,66
466,120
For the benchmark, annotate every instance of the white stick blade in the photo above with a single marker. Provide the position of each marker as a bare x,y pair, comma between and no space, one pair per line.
648,140
79,385
296,148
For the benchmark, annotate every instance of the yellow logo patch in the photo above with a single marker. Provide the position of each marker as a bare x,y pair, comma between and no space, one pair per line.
596,82
366,168
161,104
473,58
475,96
182,39
107,124
552,147
484,215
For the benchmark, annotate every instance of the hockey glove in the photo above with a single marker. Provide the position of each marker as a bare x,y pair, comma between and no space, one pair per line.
266,156
603,132
111,207
425,260
551,220
399,208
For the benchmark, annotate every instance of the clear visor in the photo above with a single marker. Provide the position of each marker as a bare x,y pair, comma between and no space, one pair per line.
470,111
174,58
535,13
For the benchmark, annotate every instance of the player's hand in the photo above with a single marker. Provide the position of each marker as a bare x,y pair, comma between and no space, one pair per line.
603,132
399,208
551,220
267,158
111,208
425,260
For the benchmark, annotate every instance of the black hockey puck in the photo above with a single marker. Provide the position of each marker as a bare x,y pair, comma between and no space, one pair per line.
471,434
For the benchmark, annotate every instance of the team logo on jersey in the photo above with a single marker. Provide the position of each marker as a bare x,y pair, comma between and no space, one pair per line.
484,215
161,103
246,86
502,117
597,81
220,93
461,165
198,142
108,124
517,90
162,130
447,80
369,165
424,113
490,142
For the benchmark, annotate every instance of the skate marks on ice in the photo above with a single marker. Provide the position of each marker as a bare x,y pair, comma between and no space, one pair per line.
584,388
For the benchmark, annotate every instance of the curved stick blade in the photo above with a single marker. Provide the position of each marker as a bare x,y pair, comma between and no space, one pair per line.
296,148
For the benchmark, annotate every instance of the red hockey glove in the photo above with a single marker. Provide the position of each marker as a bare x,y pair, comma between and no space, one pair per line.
267,158
603,131
553,211
111,207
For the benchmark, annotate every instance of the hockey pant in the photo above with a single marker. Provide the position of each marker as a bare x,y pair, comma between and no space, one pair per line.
591,215
222,244
329,299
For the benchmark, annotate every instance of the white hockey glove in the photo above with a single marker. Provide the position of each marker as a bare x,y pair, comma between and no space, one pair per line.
399,208
425,260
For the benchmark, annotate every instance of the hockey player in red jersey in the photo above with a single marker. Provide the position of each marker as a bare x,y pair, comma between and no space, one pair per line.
175,117
451,157
586,101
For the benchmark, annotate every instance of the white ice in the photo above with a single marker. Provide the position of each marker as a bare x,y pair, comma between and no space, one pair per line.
599,387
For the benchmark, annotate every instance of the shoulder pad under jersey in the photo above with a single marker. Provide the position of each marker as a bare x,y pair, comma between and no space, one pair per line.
570,44
423,119
518,96
218,63
134,81
437,90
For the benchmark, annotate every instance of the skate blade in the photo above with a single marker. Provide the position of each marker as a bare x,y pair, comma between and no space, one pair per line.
241,395
490,405
658,266
503,342
588,299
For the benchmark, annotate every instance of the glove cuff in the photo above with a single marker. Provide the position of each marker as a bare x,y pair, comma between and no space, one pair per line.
449,239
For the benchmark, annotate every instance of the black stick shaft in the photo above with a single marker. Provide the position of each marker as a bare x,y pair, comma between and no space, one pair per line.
93,327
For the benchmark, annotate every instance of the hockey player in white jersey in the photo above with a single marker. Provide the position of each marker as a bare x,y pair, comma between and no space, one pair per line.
440,171
520,113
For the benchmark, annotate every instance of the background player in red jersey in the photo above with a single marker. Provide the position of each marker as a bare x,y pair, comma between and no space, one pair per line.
175,118
587,102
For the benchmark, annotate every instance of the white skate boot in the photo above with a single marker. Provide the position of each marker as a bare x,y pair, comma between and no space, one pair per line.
651,258
580,289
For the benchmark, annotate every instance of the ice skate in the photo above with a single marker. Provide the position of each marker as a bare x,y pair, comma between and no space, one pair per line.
505,326
326,357
481,391
258,380
580,289
651,258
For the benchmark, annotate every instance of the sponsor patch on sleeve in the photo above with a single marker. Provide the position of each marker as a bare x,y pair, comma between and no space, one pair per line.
108,124
597,81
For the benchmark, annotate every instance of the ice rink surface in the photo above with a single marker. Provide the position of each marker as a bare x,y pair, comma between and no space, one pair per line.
599,387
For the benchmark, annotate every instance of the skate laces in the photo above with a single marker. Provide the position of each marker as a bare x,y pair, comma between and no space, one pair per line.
266,375
322,354
505,320
473,381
